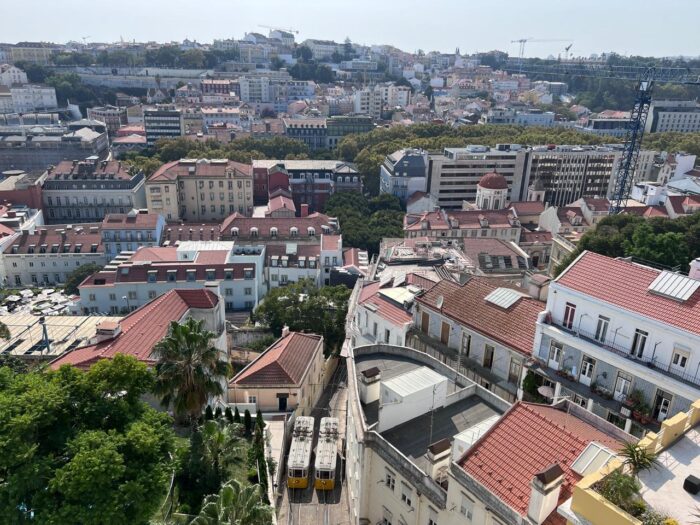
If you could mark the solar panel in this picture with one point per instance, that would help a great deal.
(674, 286)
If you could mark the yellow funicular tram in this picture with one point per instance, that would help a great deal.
(299, 460)
(326, 454)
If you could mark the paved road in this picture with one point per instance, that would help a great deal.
(321, 507)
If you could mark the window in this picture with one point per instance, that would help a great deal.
(639, 342)
(556, 349)
(514, 372)
(432, 516)
(466, 508)
(488, 356)
(112, 297)
(374, 329)
(622, 386)
(191, 275)
(466, 344)
(92, 296)
(601, 330)
(406, 494)
(228, 292)
(679, 359)
(387, 517)
(252, 399)
(390, 480)
(587, 367)
(132, 295)
(151, 294)
(569, 313)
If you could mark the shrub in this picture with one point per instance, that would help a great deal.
(208, 413)
(236, 416)
(218, 413)
(228, 414)
(247, 422)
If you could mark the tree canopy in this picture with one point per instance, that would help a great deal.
(82, 447)
(366, 222)
(78, 275)
(305, 308)
(659, 240)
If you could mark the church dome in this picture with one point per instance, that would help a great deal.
(494, 181)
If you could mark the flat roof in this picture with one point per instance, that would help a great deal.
(662, 487)
(414, 380)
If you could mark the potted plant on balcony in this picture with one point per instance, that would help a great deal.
(634, 398)
(593, 386)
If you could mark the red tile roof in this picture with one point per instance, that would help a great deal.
(625, 284)
(155, 254)
(385, 308)
(284, 363)
(283, 225)
(66, 170)
(494, 181)
(527, 207)
(420, 280)
(537, 236)
(174, 232)
(202, 168)
(280, 202)
(141, 329)
(439, 220)
(525, 441)
(416, 196)
(513, 327)
(137, 221)
(51, 238)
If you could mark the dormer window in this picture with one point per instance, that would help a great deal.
(152, 276)
(254, 233)
(191, 275)
(172, 276)
(234, 232)
(54, 248)
(31, 248)
(311, 231)
(273, 232)
(42, 248)
(248, 273)
(293, 232)
(274, 260)
(78, 248)
(211, 274)
(66, 248)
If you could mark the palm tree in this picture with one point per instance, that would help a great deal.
(189, 370)
(638, 458)
(234, 505)
(221, 445)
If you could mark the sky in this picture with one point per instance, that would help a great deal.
(593, 26)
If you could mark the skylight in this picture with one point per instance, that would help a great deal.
(674, 285)
(504, 297)
(593, 458)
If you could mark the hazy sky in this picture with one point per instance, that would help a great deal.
(594, 26)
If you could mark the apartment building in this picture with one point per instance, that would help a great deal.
(263, 230)
(205, 190)
(10, 75)
(404, 173)
(457, 225)
(47, 257)
(113, 116)
(311, 182)
(453, 176)
(310, 131)
(33, 97)
(369, 101)
(323, 49)
(482, 330)
(34, 52)
(131, 231)
(255, 89)
(621, 339)
(163, 122)
(132, 280)
(338, 126)
(681, 116)
(88, 190)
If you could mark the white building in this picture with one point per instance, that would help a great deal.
(681, 116)
(48, 256)
(131, 280)
(33, 97)
(10, 75)
(621, 339)
(383, 313)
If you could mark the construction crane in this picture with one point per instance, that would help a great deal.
(645, 78)
(523, 41)
(286, 30)
(85, 39)
(566, 51)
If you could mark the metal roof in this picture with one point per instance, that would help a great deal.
(674, 285)
(414, 381)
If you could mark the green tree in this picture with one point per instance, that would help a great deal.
(14, 363)
(235, 505)
(78, 275)
(304, 307)
(303, 53)
(236, 416)
(247, 422)
(638, 458)
(91, 451)
(221, 446)
(189, 369)
(192, 59)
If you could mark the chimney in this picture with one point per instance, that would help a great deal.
(695, 269)
(285, 331)
(544, 493)
(304, 210)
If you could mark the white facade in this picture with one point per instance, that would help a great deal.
(10, 75)
(255, 89)
(618, 350)
(31, 97)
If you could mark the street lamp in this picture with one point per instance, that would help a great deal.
(128, 306)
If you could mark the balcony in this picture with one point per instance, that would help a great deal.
(650, 362)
